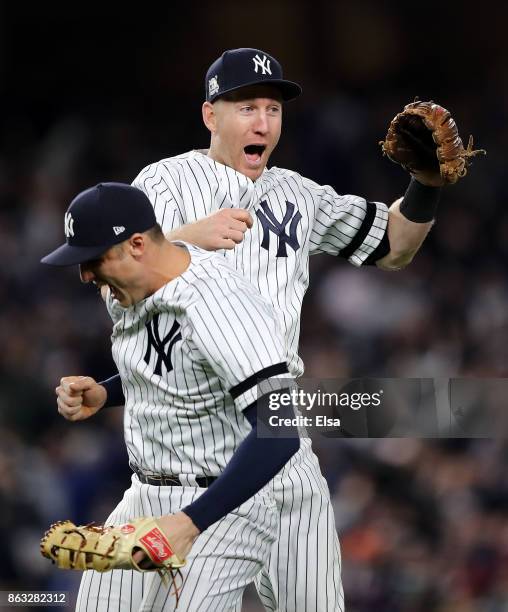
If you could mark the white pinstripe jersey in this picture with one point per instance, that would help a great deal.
(293, 217)
(187, 356)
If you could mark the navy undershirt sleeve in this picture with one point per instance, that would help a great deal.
(113, 386)
(255, 462)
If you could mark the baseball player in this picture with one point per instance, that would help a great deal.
(266, 222)
(191, 339)
(231, 190)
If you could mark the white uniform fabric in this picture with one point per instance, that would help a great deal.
(293, 218)
(188, 357)
(224, 559)
(301, 218)
(178, 353)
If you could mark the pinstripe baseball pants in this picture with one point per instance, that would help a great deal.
(224, 559)
(305, 562)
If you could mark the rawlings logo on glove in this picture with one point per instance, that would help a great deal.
(424, 139)
(158, 546)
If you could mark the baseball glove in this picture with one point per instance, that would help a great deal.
(104, 548)
(424, 140)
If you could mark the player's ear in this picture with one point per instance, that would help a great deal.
(209, 116)
(137, 245)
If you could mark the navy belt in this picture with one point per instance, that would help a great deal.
(167, 480)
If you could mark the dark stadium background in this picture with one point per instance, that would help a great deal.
(91, 93)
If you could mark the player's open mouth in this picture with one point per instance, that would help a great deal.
(253, 153)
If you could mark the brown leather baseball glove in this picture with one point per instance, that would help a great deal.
(105, 548)
(424, 140)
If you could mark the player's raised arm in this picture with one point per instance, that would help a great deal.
(405, 235)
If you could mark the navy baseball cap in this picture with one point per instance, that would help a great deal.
(100, 217)
(238, 68)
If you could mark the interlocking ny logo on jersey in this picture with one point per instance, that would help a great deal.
(270, 224)
(263, 64)
(68, 225)
(162, 347)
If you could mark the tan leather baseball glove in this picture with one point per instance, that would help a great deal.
(424, 139)
(105, 548)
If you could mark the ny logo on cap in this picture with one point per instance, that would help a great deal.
(213, 86)
(264, 64)
(68, 225)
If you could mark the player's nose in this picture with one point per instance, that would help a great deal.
(261, 123)
(85, 273)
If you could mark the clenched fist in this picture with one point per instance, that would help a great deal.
(223, 229)
(79, 397)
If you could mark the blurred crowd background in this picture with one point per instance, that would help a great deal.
(99, 93)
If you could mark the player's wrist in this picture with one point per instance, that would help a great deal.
(420, 202)
(114, 391)
(186, 521)
(192, 528)
(180, 532)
